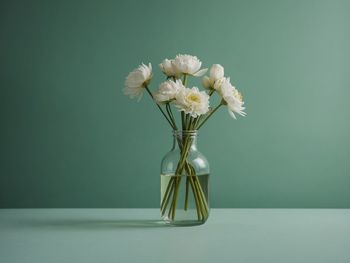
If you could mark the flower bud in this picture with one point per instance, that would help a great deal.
(206, 82)
(218, 83)
(216, 72)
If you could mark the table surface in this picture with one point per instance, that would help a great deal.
(137, 235)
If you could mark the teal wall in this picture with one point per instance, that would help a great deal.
(70, 138)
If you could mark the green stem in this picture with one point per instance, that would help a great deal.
(208, 116)
(163, 210)
(176, 192)
(183, 158)
(178, 172)
(197, 121)
(173, 201)
(195, 195)
(186, 121)
(171, 113)
(192, 123)
(186, 194)
(167, 194)
(149, 92)
(183, 120)
(199, 193)
(185, 80)
(167, 106)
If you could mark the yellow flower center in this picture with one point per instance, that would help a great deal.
(193, 98)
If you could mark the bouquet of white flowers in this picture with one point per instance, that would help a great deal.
(194, 106)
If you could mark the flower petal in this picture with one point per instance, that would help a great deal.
(231, 114)
(200, 72)
(139, 97)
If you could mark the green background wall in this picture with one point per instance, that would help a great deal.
(70, 138)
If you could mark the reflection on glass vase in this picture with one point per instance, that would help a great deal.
(184, 182)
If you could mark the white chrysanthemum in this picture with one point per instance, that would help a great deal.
(216, 72)
(232, 98)
(167, 67)
(187, 64)
(192, 101)
(216, 76)
(137, 80)
(225, 87)
(167, 91)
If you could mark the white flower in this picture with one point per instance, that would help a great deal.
(167, 91)
(192, 101)
(218, 83)
(187, 64)
(206, 83)
(232, 98)
(137, 80)
(167, 67)
(225, 87)
(216, 72)
(216, 76)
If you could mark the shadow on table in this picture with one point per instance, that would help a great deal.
(89, 224)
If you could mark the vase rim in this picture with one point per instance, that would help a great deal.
(185, 132)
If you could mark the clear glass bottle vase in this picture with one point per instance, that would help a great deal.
(184, 182)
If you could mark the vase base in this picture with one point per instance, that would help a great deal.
(171, 222)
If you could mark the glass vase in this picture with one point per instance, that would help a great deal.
(184, 182)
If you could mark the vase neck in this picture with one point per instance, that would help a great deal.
(185, 138)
